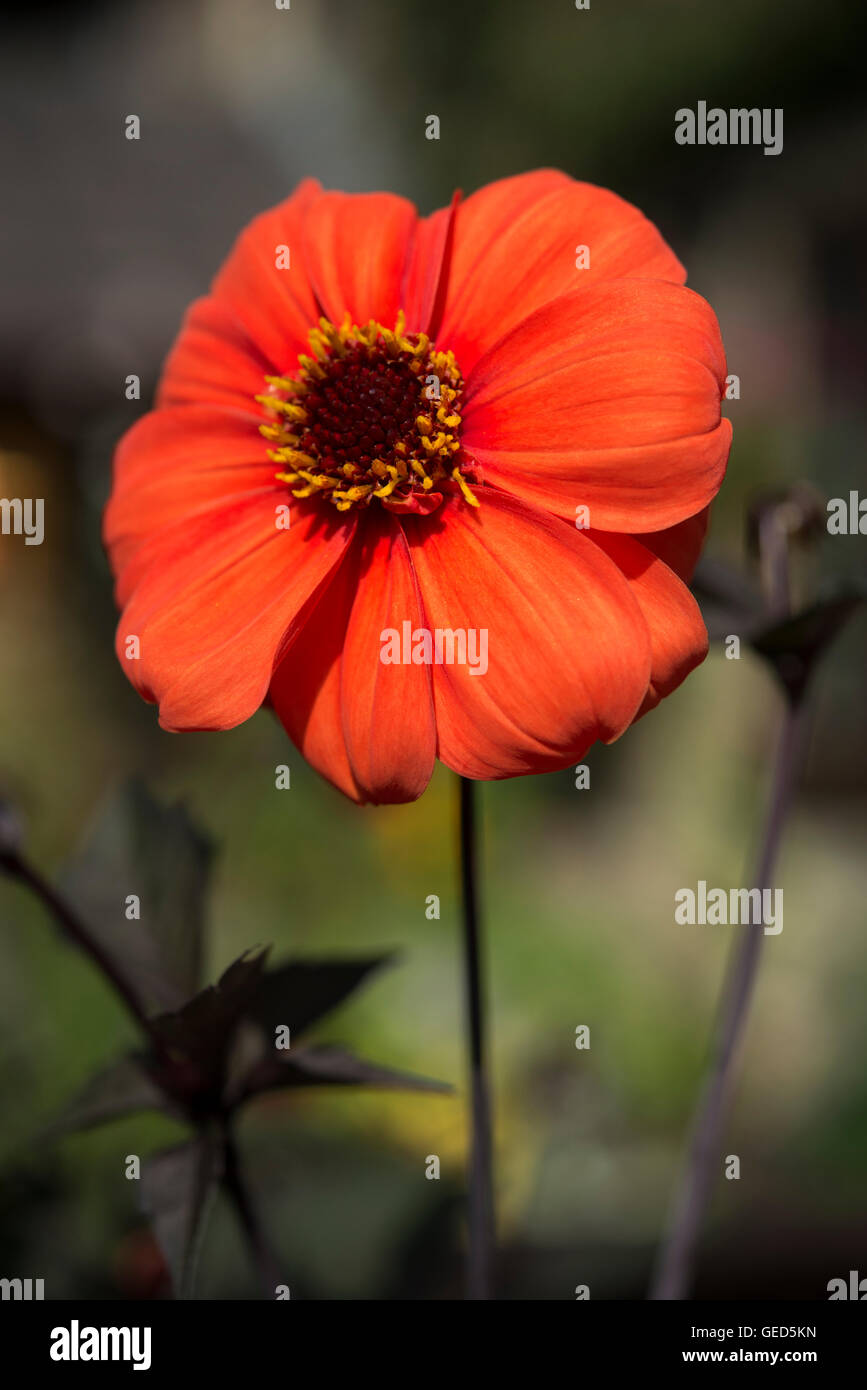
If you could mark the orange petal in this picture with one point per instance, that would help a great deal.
(305, 688)
(388, 716)
(680, 546)
(678, 637)
(273, 303)
(516, 246)
(173, 465)
(366, 726)
(356, 248)
(213, 360)
(426, 272)
(568, 656)
(213, 619)
(607, 399)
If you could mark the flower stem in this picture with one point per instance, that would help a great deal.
(233, 1180)
(76, 930)
(674, 1269)
(481, 1201)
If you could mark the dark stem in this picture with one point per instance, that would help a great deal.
(674, 1269)
(76, 931)
(481, 1203)
(261, 1252)
(774, 560)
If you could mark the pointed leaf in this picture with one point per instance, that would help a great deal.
(203, 1029)
(729, 602)
(299, 992)
(177, 1188)
(793, 646)
(142, 848)
(334, 1066)
(122, 1088)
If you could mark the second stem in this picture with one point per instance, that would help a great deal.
(481, 1199)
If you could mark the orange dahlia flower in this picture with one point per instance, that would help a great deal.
(377, 422)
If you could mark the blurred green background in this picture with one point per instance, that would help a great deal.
(103, 244)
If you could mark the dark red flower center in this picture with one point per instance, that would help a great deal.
(373, 415)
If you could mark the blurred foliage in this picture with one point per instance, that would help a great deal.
(214, 1049)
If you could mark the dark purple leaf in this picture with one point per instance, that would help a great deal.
(729, 602)
(202, 1031)
(177, 1186)
(142, 848)
(299, 992)
(122, 1088)
(794, 645)
(334, 1066)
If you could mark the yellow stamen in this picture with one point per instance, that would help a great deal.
(462, 484)
(374, 430)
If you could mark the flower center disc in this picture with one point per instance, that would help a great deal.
(374, 414)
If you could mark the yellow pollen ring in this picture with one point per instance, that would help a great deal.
(313, 440)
